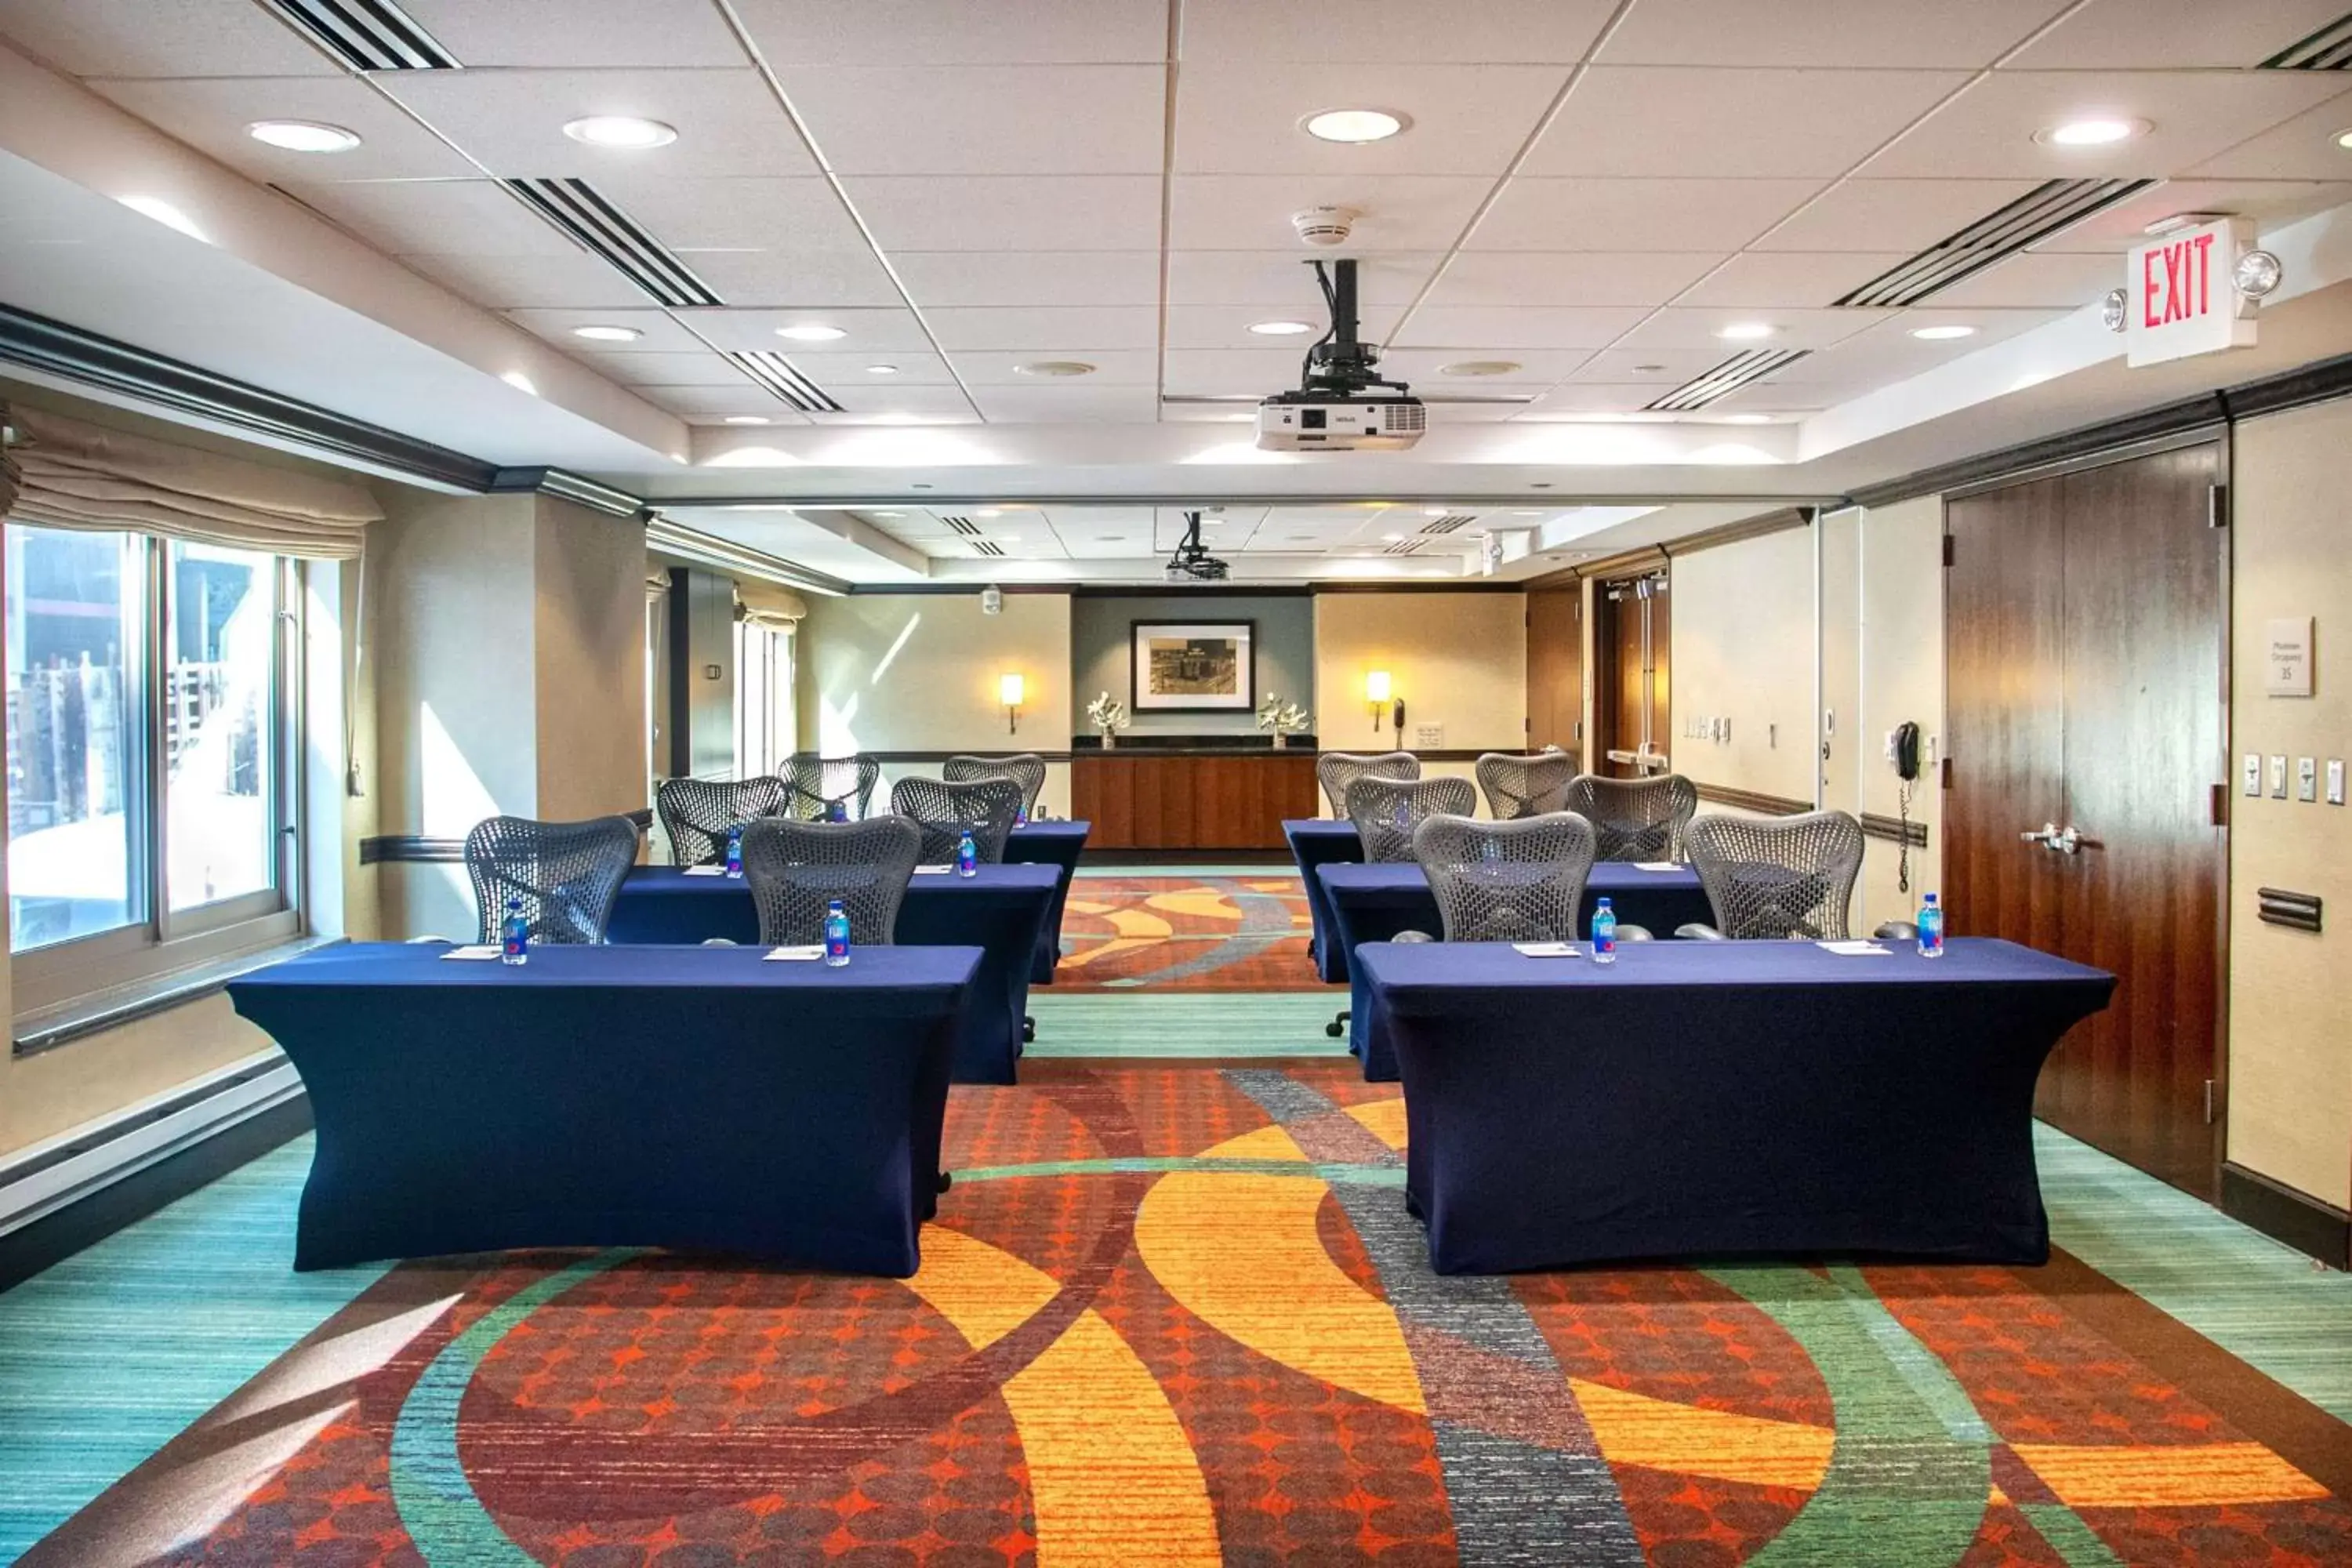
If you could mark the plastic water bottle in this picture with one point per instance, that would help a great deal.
(1604, 933)
(514, 934)
(836, 811)
(836, 934)
(1020, 815)
(735, 851)
(1931, 928)
(967, 856)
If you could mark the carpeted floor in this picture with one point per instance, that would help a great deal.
(1173, 1313)
(1189, 931)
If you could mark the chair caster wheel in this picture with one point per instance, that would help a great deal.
(1332, 1030)
(946, 1181)
(1028, 1028)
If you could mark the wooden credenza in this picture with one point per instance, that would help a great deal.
(1209, 798)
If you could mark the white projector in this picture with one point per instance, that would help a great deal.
(1291, 423)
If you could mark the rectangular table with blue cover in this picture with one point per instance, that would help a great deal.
(1317, 841)
(1374, 902)
(700, 1098)
(1058, 845)
(1719, 1099)
(999, 910)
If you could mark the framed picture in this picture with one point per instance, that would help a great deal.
(1190, 666)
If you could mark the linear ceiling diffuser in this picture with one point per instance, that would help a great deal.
(1450, 522)
(1742, 369)
(368, 35)
(2328, 49)
(2051, 206)
(599, 226)
(782, 378)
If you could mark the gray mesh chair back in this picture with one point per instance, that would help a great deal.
(1025, 768)
(1387, 812)
(1337, 770)
(1635, 819)
(567, 874)
(1520, 880)
(1524, 786)
(818, 784)
(795, 869)
(1779, 875)
(697, 812)
(945, 811)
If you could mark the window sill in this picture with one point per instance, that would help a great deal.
(53, 1027)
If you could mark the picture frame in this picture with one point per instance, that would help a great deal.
(1192, 667)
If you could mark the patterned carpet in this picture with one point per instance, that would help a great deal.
(1173, 1313)
(1186, 933)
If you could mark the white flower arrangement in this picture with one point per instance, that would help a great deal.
(1107, 714)
(1283, 718)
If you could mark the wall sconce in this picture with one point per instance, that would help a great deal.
(1010, 690)
(1379, 692)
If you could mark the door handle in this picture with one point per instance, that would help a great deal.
(2069, 840)
(2047, 836)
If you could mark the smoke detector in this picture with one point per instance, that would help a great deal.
(1325, 225)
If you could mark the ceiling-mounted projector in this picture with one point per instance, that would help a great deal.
(1191, 561)
(1343, 404)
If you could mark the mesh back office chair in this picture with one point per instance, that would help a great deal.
(567, 874)
(1520, 880)
(1524, 786)
(1635, 819)
(1778, 877)
(1337, 770)
(818, 784)
(795, 869)
(1387, 811)
(697, 812)
(946, 811)
(1024, 768)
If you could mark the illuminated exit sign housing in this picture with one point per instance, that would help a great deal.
(2178, 300)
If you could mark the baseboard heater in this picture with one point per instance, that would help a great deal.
(39, 1180)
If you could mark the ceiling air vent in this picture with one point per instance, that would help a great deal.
(2328, 49)
(962, 525)
(367, 34)
(778, 374)
(1741, 370)
(614, 237)
(987, 547)
(1404, 547)
(1450, 522)
(2051, 206)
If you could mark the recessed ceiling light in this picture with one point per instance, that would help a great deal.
(1745, 331)
(746, 420)
(1649, 367)
(811, 333)
(605, 334)
(1480, 367)
(1280, 329)
(886, 514)
(620, 130)
(1943, 333)
(1054, 367)
(1527, 514)
(1747, 419)
(2095, 132)
(303, 135)
(1434, 511)
(881, 370)
(987, 512)
(1391, 539)
(1354, 125)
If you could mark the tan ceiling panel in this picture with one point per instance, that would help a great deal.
(2164, 35)
(1927, 32)
(577, 280)
(2059, 279)
(1060, 212)
(1425, 367)
(1231, 372)
(447, 217)
(633, 34)
(1113, 367)
(1887, 351)
(1004, 120)
(727, 121)
(735, 213)
(1016, 327)
(1504, 31)
(948, 278)
(2302, 148)
(1744, 124)
(1538, 327)
(868, 330)
(211, 114)
(1647, 367)
(1901, 216)
(762, 278)
(956, 32)
(1228, 326)
(1282, 278)
(1244, 117)
(1695, 215)
(1253, 212)
(1504, 279)
(142, 39)
(1067, 405)
(1758, 280)
(1677, 328)
(858, 369)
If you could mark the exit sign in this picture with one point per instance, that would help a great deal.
(2177, 296)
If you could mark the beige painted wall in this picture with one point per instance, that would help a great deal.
(2289, 1070)
(92, 1076)
(1902, 672)
(589, 635)
(1743, 635)
(918, 672)
(1459, 660)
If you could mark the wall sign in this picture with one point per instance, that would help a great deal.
(2179, 298)
(2286, 657)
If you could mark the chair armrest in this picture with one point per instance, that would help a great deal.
(1412, 936)
(1695, 932)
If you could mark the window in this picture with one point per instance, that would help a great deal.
(763, 699)
(149, 746)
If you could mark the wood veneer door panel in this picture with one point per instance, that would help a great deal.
(1102, 793)
(1555, 669)
(1661, 688)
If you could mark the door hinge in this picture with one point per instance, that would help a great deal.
(2221, 799)
(2217, 505)
(1946, 765)
(1947, 550)
(2209, 1102)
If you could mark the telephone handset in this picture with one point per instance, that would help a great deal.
(1907, 752)
(1905, 747)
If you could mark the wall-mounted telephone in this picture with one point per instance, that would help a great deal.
(1904, 748)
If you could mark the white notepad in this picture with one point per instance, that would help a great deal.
(1656, 866)
(705, 871)
(793, 955)
(1855, 949)
(933, 870)
(1546, 950)
(474, 952)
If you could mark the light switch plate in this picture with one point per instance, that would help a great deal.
(1429, 736)
(2307, 778)
(2278, 778)
(2253, 773)
(2335, 781)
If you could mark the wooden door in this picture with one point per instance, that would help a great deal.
(2084, 639)
(1630, 704)
(1556, 668)
(1661, 643)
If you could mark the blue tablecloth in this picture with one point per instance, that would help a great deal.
(617, 1095)
(1717, 1098)
(1000, 910)
(1317, 841)
(1373, 904)
(1059, 845)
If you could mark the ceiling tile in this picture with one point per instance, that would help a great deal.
(1583, 399)
(449, 218)
(1505, 31)
(1901, 216)
(1282, 278)
(878, 405)
(869, 330)
(1888, 352)
(1809, 33)
(2302, 148)
(1003, 119)
(1668, 120)
(736, 212)
(661, 331)
(758, 278)
(1787, 280)
(1253, 373)
(1067, 405)
(1986, 132)
(211, 114)
(1707, 215)
(1677, 328)
(951, 32)
(1243, 117)
(2055, 278)
(142, 39)
(1018, 328)
(512, 121)
(1537, 367)
(699, 369)
(912, 369)
(946, 277)
(636, 34)
(1113, 367)
(1646, 367)
(577, 280)
(1228, 326)
(1504, 278)
(1543, 327)
(711, 405)
(2161, 34)
(2269, 202)
(1059, 212)
(1252, 212)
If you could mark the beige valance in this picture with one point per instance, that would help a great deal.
(81, 476)
(768, 605)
